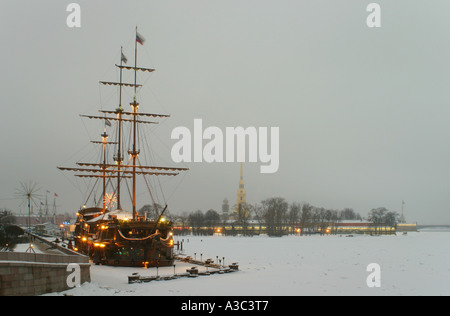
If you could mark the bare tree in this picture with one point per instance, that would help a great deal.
(294, 215)
(305, 218)
(196, 220)
(151, 211)
(377, 218)
(258, 211)
(211, 218)
(275, 215)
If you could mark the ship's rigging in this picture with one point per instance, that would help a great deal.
(120, 170)
(118, 238)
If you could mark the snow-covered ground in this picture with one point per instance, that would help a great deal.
(413, 264)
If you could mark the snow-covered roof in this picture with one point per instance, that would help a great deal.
(120, 214)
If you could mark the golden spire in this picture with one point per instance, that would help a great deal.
(241, 191)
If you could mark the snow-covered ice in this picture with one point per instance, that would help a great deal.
(413, 264)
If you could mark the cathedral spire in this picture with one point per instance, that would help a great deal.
(241, 191)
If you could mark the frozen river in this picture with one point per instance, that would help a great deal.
(413, 264)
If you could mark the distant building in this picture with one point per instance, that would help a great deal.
(403, 227)
(225, 209)
(22, 220)
(359, 227)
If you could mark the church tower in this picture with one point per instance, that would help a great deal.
(225, 208)
(241, 191)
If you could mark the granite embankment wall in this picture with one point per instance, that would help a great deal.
(35, 274)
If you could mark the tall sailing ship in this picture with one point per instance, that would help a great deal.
(121, 237)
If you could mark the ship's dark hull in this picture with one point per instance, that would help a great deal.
(85, 231)
(134, 254)
(135, 243)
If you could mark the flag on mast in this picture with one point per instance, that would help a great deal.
(139, 38)
(123, 58)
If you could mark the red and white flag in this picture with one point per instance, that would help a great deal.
(140, 39)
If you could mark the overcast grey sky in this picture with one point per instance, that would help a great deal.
(363, 113)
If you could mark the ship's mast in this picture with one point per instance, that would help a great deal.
(104, 140)
(125, 170)
(134, 106)
(46, 206)
(103, 165)
(119, 111)
(54, 210)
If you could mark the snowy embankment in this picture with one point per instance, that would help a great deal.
(413, 264)
(25, 248)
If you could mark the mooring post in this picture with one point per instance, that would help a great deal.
(157, 268)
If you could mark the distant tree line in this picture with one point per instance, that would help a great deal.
(381, 219)
(281, 218)
(277, 216)
(211, 219)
